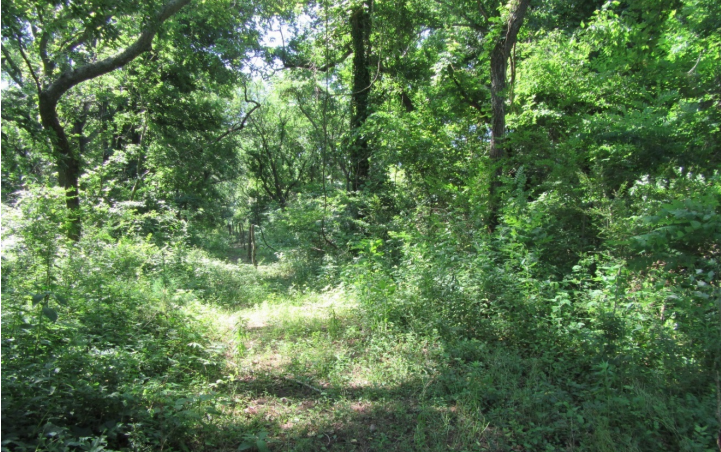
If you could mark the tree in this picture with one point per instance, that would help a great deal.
(502, 47)
(480, 37)
(71, 43)
(279, 151)
(361, 28)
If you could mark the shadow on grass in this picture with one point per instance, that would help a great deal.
(325, 394)
(298, 416)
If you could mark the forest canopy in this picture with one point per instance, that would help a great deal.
(516, 204)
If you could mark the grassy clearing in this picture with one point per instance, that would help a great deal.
(174, 349)
(306, 372)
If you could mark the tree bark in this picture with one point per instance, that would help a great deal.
(499, 70)
(68, 161)
(360, 22)
(252, 245)
(250, 242)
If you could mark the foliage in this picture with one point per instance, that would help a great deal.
(117, 356)
(414, 291)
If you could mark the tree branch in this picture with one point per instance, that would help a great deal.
(27, 62)
(466, 97)
(262, 236)
(239, 127)
(514, 24)
(48, 65)
(310, 66)
(12, 68)
(482, 10)
(68, 79)
(82, 37)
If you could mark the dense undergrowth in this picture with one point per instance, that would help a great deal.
(107, 341)
(425, 337)
(611, 347)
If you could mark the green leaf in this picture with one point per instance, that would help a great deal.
(38, 297)
(50, 313)
(60, 299)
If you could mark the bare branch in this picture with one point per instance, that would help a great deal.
(691, 71)
(240, 126)
(27, 62)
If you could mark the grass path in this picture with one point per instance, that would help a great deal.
(306, 375)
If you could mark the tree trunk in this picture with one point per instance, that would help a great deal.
(360, 22)
(252, 245)
(67, 161)
(250, 242)
(499, 69)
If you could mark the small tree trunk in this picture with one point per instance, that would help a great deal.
(250, 242)
(252, 245)
(68, 162)
(498, 128)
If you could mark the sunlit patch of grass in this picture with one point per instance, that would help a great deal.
(319, 336)
(305, 369)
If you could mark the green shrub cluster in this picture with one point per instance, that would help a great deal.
(101, 345)
(558, 346)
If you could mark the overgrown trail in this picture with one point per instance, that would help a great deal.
(304, 374)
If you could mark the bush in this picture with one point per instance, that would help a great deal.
(557, 346)
(101, 344)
